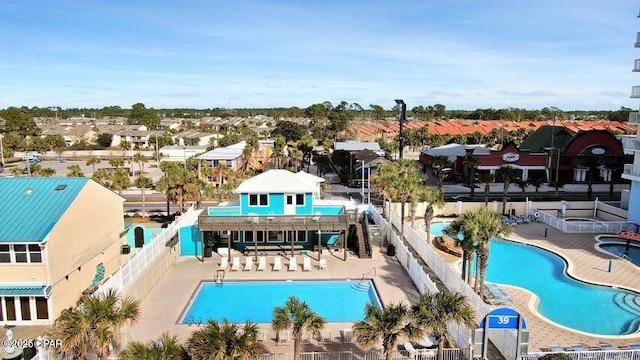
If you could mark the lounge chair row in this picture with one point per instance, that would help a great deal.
(512, 220)
(284, 337)
(262, 264)
(599, 347)
(497, 296)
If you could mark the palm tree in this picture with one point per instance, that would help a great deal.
(298, 316)
(388, 324)
(487, 179)
(435, 198)
(471, 165)
(224, 340)
(380, 181)
(522, 184)
(120, 180)
(507, 174)
(485, 224)
(74, 171)
(592, 163)
(140, 159)
(180, 185)
(101, 176)
(439, 162)
(403, 183)
(297, 156)
(464, 238)
(94, 326)
(93, 162)
(47, 172)
(166, 347)
(279, 144)
(116, 163)
(434, 311)
(143, 183)
(536, 182)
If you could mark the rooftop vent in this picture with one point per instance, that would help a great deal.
(28, 191)
(61, 187)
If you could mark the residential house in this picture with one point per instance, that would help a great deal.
(61, 237)
(196, 138)
(277, 211)
(231, 157)
(71, 134)
(180, 153)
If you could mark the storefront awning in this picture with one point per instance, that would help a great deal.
(20, 290)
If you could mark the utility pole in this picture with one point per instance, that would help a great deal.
(402, 117)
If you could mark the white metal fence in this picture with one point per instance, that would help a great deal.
(504, 340)
(449, 354)
(570, 226)
(143, 258)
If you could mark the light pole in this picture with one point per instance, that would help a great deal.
(402, 117)
(362, 171)
(369, 185)
(132, 171)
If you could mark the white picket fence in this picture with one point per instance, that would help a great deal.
(138, 263)
(584, 226)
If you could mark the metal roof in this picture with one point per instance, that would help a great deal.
(276, 181)
(32, 206)
(353, 145)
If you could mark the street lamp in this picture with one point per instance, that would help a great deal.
(402, 117)
(1, 152)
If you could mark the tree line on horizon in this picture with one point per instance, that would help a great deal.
(327, 110)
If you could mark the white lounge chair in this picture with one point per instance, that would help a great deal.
(323, 264)
(408, 346)
(277, 263)
(293, 264)
(262, 336)
(262, 263)
(556, 348)
(248, 263)
(235, 264)
(306, 264)
(325, 336)
(305, 337)
(283, 338)
(224, 263)
(347, 335)
(607, 346)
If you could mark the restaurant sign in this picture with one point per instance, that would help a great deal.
(510, 157)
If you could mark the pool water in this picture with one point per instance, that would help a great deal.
(617, 249)
(335, 301)
(563, 300)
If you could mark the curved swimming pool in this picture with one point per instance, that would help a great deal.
(617, 246)
(589, 308)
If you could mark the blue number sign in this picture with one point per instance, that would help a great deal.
(503, 318)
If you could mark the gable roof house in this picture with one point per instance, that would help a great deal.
(61, 238)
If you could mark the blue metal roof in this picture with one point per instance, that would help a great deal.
(17, 290)
(32, 206)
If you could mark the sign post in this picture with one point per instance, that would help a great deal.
(501, 319)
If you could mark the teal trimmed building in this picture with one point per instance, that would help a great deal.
(59, 237)
(277, 211)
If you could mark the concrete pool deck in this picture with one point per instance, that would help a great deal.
(586, 264)
(165, 303)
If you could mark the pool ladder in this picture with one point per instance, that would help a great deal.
(192, 321)
(219, 277)
(360, 284)
(624, 256)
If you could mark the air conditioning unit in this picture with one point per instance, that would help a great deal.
(125, 249)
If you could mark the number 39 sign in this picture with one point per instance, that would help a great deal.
(503, 318)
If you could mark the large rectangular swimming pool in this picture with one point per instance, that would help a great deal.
(335, 301)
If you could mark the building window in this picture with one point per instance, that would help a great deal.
(5, 254)
(299, 199)
(258, 200)
(289, 200)
(35, 254)
(20, 251)
(42, 308)
(229, 163)
(301, 236)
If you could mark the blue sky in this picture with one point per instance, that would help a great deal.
(465, 54)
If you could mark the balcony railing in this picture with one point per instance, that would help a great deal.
(635, 92)
(277, 222)
(638, 41)
(634, 117)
